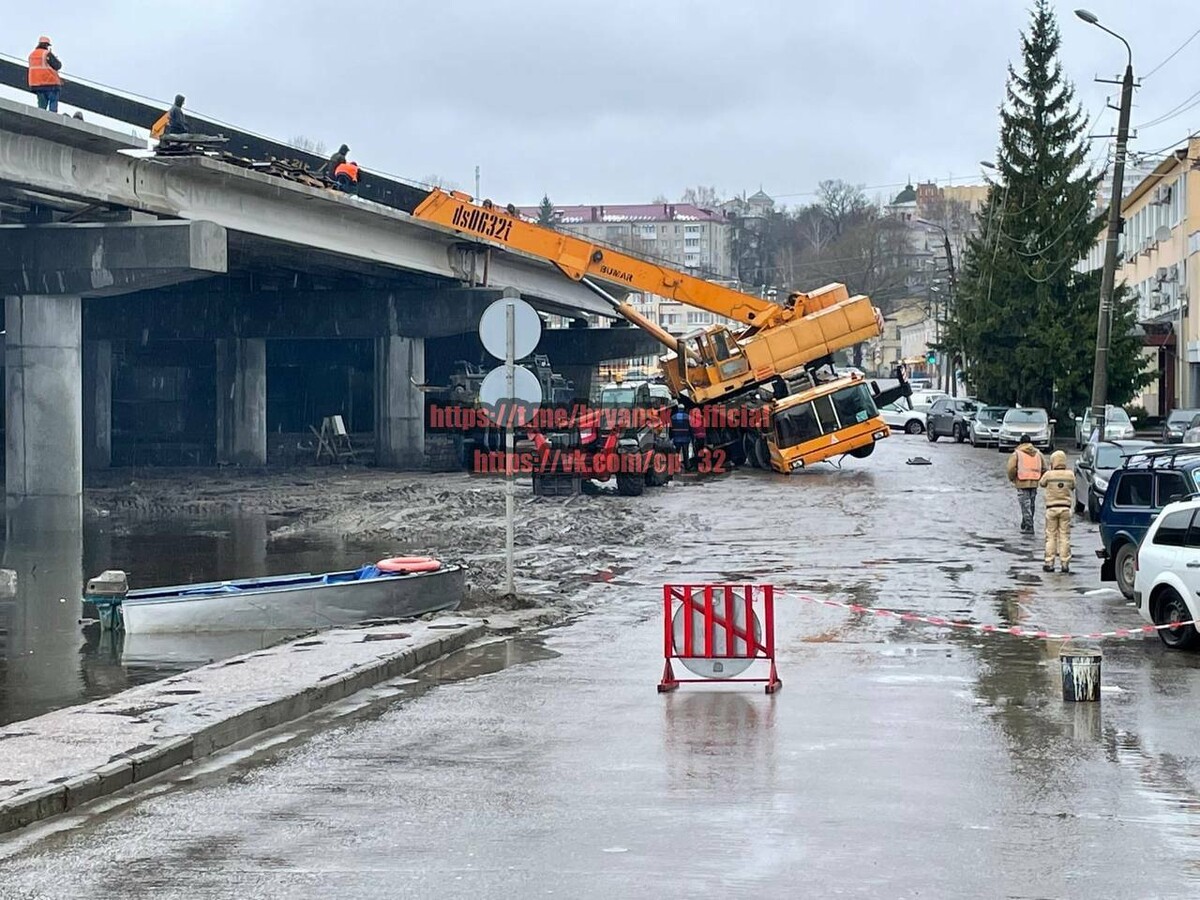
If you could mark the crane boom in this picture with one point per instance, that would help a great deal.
(579, 258)
(712, 365)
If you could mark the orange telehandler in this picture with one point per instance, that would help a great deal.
(779, 353)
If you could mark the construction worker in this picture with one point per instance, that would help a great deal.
(334, 161)
(346, 176)
(177, 122)
(1059, 485)
(44, 78)
(699, 434)
(1025, 469)
(681, 434)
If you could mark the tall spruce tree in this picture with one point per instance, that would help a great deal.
(546, 211)
(1024, 320)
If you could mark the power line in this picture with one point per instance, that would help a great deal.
(1171, 113)
(1173, 55)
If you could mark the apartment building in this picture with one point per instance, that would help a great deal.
(1160, 261)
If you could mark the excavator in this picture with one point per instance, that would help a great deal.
(777, 364)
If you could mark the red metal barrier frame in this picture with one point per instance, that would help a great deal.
(724, 618)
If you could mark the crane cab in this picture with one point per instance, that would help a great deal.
(715, 360)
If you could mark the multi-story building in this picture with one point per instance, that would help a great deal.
(681, 235)
(1160, 261)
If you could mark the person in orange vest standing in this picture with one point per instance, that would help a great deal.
(1025, 469)
(44, 79)
(346, 176)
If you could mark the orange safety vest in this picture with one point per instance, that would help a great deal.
(1029, 466)
(40, 73)
(348, 168)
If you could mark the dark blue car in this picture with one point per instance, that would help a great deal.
(1136, 493)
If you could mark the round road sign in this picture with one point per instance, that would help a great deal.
(493, 328)
(516, 410)
(707, 667)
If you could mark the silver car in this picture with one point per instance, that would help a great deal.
(1117, 426)
(1030, 420)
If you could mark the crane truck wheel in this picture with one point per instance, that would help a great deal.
(748, 443)
(631, 485)
(863, 452)
(762, 455)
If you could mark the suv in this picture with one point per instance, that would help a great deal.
(1167, 574)
(1136, 493)
(950, 417)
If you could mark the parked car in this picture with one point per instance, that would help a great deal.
(1167, 573)
(985, 427)
(1192, 435)
(898, 416)
(1117, 426)
(1177, 422)
(1137, 492)
(1031, 420)
(920, 384)
(922, 400)
(950, 417)
(1094, 468)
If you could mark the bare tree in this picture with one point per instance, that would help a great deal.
(844, 204)
(702, 196)
(660, 198)
(300, 142)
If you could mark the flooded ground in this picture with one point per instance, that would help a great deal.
(899, 760)
(175, 527)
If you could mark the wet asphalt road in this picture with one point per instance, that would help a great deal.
(898, 761)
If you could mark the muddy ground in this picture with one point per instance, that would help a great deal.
(562, 545)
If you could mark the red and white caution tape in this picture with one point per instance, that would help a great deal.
(1015, 630)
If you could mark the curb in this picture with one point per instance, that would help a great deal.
(69, 792)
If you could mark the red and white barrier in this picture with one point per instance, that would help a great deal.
(715, 631)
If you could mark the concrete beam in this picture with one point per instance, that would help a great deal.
(242, 402)
(590, 346)
(214, 310)
(203, 189)
(399, 402)
(102, 260)
(97, 404)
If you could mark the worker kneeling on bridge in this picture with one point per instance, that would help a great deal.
(44, 79)
(346, 176)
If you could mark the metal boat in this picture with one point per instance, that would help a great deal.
(274, 603)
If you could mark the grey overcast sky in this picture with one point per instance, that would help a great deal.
(619, 100)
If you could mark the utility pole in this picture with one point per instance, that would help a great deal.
(947, 379)
(477, 182)
(1108, 277)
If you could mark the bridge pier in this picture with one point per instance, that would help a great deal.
(97, 404)
(43, 412)
(242, 401)
(399, 402)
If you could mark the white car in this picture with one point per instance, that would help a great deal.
(899, 417)
(1167, 573)
(922, 400)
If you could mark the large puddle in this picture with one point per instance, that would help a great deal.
(48, 660)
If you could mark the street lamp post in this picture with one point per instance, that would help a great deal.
(1108, 277)
(950, 382)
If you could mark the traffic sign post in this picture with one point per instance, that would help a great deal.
(510, 330)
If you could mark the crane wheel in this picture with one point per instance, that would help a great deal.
(748, 447)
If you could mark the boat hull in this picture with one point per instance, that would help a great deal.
(291, 603)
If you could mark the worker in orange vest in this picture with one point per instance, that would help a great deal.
(44, 79)
(346, 176)
(1025, 469)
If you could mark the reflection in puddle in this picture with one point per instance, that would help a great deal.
(46, 660)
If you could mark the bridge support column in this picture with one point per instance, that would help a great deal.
(399, 402)
(97, 404)
(242, 401)
(43, 415)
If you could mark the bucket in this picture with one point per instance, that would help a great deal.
(1080, 673)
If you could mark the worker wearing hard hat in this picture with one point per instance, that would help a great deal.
(44, 78)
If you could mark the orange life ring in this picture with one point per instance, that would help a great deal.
(408, 564)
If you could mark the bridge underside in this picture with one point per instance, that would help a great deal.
(169, 342)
